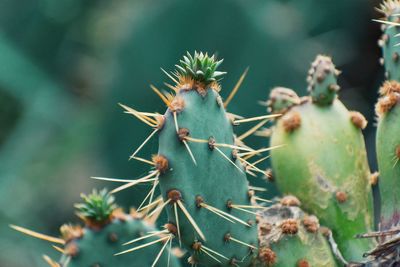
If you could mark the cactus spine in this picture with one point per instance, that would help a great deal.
(324, 161)
(388, 111)
(106, 229)
(289, 237)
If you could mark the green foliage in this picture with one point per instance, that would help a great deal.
(216, 179)
(324, 164)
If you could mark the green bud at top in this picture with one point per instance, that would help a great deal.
(200, 67)
(322, 83)
(97, 207)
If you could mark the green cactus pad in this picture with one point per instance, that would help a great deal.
(389, 42)
(289, 237)
(388, 153)
(324, 164)
(214, 180)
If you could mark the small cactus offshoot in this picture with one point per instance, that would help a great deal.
(106, 232)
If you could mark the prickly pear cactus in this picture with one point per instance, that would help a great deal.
(107, 228)
(388, 41)
(205, 181)
(324, 162)
(289, 237)
(388, 111)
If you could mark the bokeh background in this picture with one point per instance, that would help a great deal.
(65, 64)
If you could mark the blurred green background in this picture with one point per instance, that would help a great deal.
(66, 64)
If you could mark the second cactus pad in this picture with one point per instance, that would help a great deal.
(324, 162)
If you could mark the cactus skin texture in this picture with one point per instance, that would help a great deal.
(212, 180)
(324, 162)
(289, 237)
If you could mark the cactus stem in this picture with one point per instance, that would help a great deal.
(144, 142)
(38, 235)
(252, 130)
(236, 88)
(144, 245)
(50, 262)
(191, 220)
